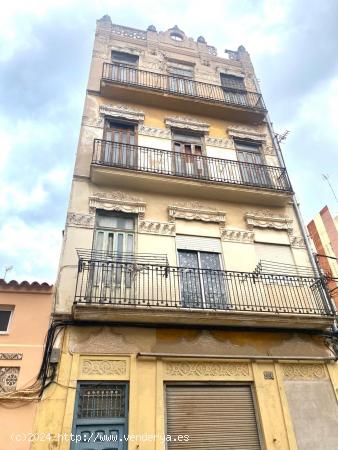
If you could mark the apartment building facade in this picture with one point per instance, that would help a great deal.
(191, 314)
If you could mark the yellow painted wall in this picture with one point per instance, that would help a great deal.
(147, 376)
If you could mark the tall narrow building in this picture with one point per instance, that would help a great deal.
(188, 311)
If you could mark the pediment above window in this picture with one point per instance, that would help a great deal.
(246, 133)
(121, 112)
(117, 201)
(187, 123)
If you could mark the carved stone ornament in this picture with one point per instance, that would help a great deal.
(121, 111)
(11, 356)
(8, 378)
(304, 371)
(297, 242)
(103, 367)
(163, 133)
(187, 123)
(242, 236)
(219, 142)
(151, 227)
(267, 219)
(202, 369)
(196, 211)
(117, 201)
(246, 133)
(80, 220)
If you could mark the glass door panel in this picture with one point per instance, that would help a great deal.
(191, 291)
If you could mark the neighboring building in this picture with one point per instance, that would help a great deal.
(186, 299)
(323, 230)
(25, 310)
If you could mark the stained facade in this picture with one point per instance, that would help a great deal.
(186, 290)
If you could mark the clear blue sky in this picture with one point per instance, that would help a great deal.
(45, 50)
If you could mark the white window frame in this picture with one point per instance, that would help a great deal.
(11, 309)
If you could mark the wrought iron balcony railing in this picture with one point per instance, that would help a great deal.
(185, 87)
(128, 283)
(146, 159)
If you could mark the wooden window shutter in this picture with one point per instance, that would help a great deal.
(214, 417)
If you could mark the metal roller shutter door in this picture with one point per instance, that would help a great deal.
(215, 417)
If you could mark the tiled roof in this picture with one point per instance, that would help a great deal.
(22, 286)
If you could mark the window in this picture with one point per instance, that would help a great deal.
(181, 79)
(109, 277)
(101, 414)
(249, 153)
(278, 258)
(5, 318)
(124, 68)
(124, 58)
(114, 232)
(234, 89)
(119, 148)
(188, 159)
(202, 282)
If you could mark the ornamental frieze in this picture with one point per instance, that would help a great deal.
(163, 133)
(80, 220)
(103, 367)
(297, 242)
(304, 371)
(152, 227)
(242, 236)
(11, 356)
(219, 142)
(211, 369)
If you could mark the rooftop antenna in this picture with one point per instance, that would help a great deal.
(327, 178)
(7, 269)
(281, 137)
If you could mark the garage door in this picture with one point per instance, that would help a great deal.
(215, 417)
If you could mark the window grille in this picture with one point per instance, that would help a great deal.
(102, 400)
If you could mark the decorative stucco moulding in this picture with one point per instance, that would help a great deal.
(121, 111)
(196, 211)
(246, 133)
(267, 219)
(163, 133)
(152, 227)
(187, 123)
(241, 236)
(117, 201)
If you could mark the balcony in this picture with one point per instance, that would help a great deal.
(216, 173)
(130, 289)
(181, 94)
